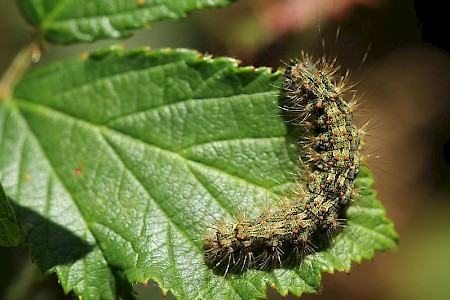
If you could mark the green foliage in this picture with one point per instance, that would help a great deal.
(9, 230)
(70, 21)
(133, 156)
(118, 163)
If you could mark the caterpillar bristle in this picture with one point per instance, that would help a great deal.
(329, 163)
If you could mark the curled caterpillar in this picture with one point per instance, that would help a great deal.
(332, 159)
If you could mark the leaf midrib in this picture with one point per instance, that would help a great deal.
(182, 232)
(34, 107)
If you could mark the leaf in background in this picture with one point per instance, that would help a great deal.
(69, 21)
(9, 230)
(133, 156)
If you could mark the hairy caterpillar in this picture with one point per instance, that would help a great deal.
(332, 159)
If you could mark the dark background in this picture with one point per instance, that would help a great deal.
(405, 81)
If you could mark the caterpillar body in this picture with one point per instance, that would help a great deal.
(331, 154)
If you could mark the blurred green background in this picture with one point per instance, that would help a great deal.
(405, 81)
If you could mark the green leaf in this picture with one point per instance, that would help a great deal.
(9, 229)
(133, 156)
(70, 21)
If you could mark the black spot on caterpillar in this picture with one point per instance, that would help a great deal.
(331, 157)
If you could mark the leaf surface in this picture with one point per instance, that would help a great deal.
(9, 229)
(70, 21)
(133, 156)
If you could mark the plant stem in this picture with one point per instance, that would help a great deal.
(18, 67)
